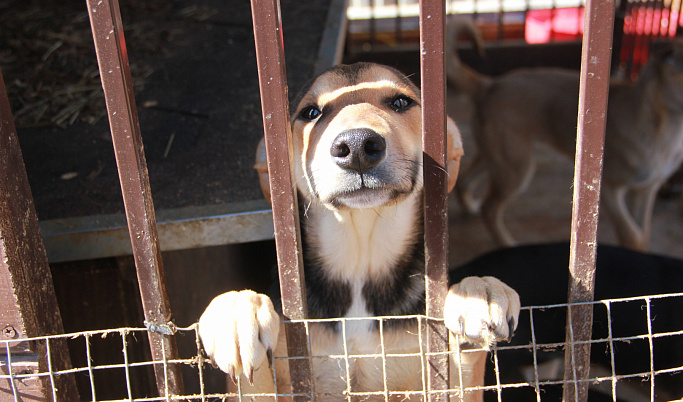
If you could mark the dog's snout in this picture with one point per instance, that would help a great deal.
(358, 149)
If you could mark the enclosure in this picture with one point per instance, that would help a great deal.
(43, 361)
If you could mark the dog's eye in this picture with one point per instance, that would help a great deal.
(401, 102)
(310, 113)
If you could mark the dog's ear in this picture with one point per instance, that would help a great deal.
(261, 167)
(455, 152)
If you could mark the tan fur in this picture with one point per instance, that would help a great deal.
(643, 142)
(358, 238)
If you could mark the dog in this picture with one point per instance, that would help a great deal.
(643, 142)
(620, 273)
(358, 167)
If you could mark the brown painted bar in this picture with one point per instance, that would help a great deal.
(278, 134)
(28, 304)
(593, 92)
(432, 27)
(105, 19)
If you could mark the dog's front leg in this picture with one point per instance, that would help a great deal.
(239, 330)
(479, 311)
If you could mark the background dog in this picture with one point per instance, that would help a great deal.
(357, 148)
(643, 143)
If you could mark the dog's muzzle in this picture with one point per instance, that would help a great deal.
(358, 149)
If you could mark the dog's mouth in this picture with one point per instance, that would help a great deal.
(365, 197)
(368, 190)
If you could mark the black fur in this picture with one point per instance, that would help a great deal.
(402, 293)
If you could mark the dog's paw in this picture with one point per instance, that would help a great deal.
(482, 310)
(239, 331)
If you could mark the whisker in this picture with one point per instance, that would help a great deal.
(308, 206)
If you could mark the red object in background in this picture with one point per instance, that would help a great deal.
(644, 22)
(554, 25)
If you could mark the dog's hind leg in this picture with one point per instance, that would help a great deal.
(629, 233)
(472, 177)
(505, 184)
(642, 202)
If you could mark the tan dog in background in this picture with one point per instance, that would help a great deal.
(358, 165)
(643, 143)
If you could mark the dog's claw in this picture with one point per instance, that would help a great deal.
(231, 373)
(501, 334)
(512, 325)
(249, 373)
(269, 356)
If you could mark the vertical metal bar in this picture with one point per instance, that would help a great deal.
(373, 22)
(112, 56)
(432, 27)
(398, 27)
(657, 19)
(91, 374)
(627, 46)
(28, 304)
(593, 92)
(35, 392)
(674, 17)
(278, 134)
(500, 28)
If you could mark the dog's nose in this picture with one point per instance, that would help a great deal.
(358, 149)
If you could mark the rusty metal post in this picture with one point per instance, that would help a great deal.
(28, 304)
(593, 93)
(278, 134)
(432, 29)
(105, 19)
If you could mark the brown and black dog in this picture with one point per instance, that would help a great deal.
(358, 168)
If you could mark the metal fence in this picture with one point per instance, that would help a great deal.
(35, 361)
(613, 383)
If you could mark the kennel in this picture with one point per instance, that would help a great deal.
(35, 360)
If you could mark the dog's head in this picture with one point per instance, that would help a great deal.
(357, 135)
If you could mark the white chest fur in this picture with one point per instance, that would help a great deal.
(355, 246)
(359, 244)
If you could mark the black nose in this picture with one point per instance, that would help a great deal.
(358, 149)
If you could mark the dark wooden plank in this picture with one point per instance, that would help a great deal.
(432, 27)
(105, 19)
(593, 92)
(278, 134)
(28, 305)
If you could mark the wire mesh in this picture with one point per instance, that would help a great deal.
(635, 343)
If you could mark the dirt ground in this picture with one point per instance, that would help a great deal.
(194, 73)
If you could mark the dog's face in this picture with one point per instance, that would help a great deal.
(357, 135)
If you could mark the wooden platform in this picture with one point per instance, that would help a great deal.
(200, 117)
